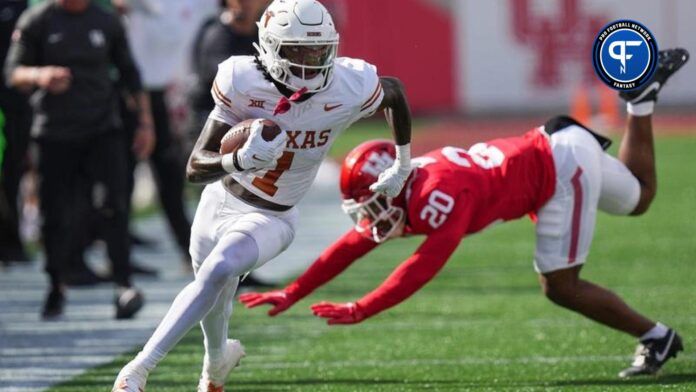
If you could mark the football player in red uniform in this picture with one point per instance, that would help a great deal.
(559, 173)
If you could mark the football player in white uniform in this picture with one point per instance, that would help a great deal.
(246, 215)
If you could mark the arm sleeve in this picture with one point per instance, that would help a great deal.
(25, 44)
(420, 268)
(123, 59)
(225, 109)
(334, 260)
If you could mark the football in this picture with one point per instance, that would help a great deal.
(238, 134)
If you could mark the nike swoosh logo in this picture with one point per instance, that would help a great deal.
(328, 108)
(257, 158)
(654, 86)
(661, 356)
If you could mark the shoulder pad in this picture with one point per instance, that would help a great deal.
(239, 75)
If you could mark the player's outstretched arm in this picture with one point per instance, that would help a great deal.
(334, 260)
(406, 279)
(396, 109)
(398, 113)
(205, 163)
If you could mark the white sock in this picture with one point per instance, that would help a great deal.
(215, 324)
(657, 332)
(641, 109)
(188, 308)
(148, 361)
(234, 254)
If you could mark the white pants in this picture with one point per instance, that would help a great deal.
(587, 178)
(220, 213)
(228, 239)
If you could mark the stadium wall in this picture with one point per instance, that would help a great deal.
(475, 56)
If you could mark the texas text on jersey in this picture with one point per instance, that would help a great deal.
(241, 92)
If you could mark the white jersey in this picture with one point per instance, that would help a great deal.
(241, 92)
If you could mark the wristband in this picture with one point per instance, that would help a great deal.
(235, 161)
(403, 156)
(229, 164)
(641, 109)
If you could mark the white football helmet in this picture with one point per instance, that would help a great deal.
(297, 44)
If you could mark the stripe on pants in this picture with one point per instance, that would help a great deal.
(577, 211)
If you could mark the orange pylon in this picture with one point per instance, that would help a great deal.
(580, 105)
(608, 105)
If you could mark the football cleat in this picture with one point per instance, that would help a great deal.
(130, 379)
(668, 62)
(652, 354)
(213, 377)
(128, 302)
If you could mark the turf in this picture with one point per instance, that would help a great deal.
(364, 130)
(482, 324)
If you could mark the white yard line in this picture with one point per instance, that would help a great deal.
(35, 354)
(461, 361)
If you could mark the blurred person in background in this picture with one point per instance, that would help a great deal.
(160, 33)
(178, 21)
(14, 132)
(107, 4)
(63, 51)
(77, 273)
(231, 33)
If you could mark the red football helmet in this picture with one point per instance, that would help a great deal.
(373, 214)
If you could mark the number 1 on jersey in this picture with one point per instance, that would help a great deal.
(267, 183)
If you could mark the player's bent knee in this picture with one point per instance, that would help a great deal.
(560, 287)
(233, 256)
(562, 296)
(640, 209)
(647, 195)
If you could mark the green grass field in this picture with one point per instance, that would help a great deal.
(482, 323)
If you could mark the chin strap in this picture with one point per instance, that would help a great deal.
(284, 104)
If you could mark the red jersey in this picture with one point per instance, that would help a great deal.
(499, 180)
(453, 192)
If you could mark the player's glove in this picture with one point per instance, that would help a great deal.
(391, 181)
(256, 153)
(347, 313)
(280, 300)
